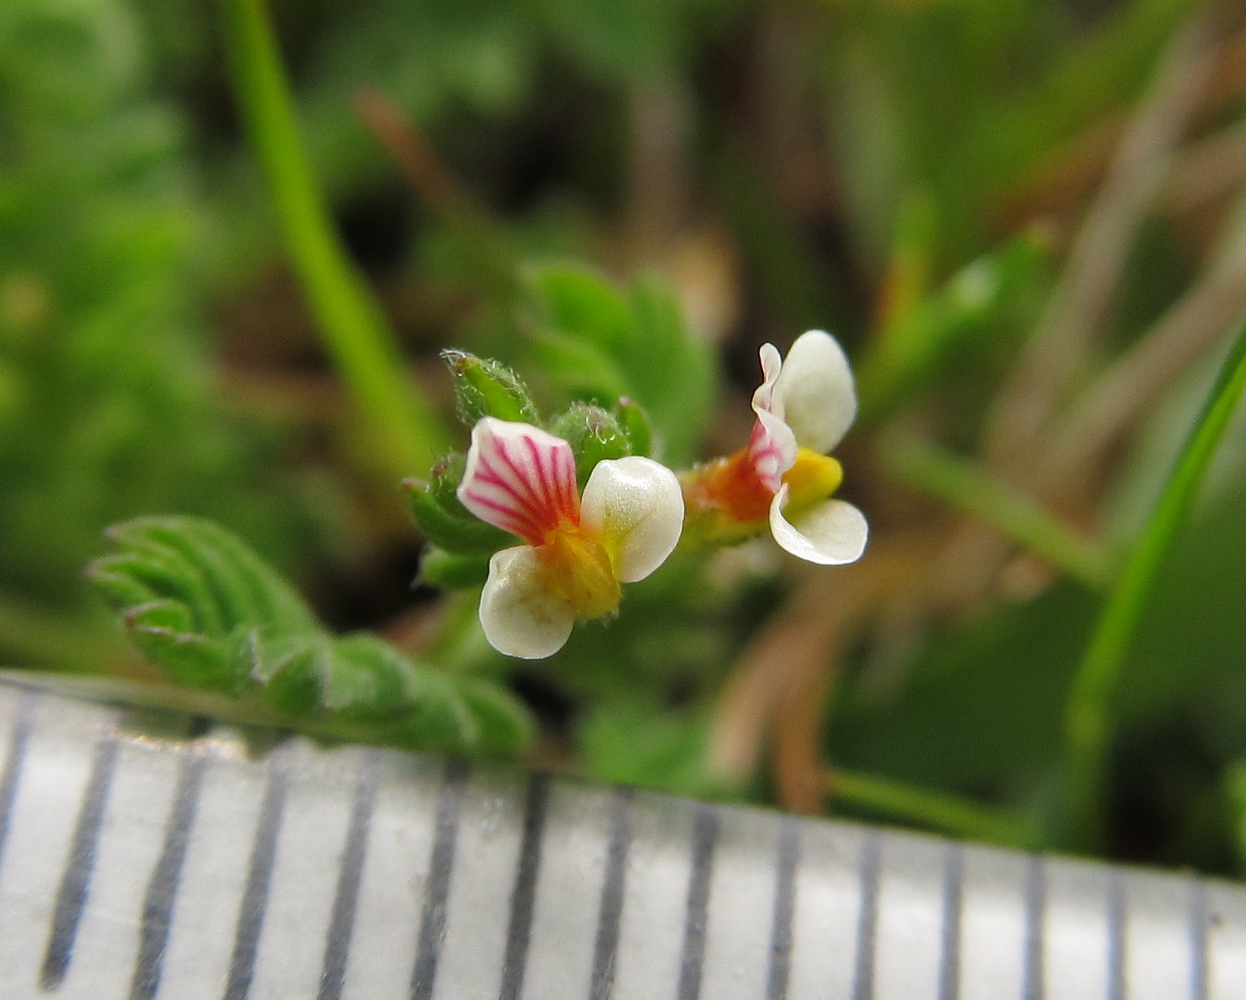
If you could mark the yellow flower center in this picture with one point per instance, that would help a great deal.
(578, 570)
(812, 479)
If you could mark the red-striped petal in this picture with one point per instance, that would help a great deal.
(521, 479)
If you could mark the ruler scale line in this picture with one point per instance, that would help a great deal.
(867, 920)
(76, 882)
(12, 776)
(610, 912)
(346, 895)
(1032, 984)
(704, 839)
(788, 849)
(953, 899)
(437, 888)
(1116, 938)
(259, 877)
(162, 889)
(1198, 939)
(523, 895)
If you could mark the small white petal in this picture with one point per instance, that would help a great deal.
(814, 392)
(520, 616)
(771, 366)
(519, 478)
(638, 507)
(829, 533)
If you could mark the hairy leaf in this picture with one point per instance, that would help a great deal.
(211, 614)
(487, 388)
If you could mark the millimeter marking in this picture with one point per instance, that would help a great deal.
(11, 778)
(523, 895)
(437, 889)
(259, 877)
(346, 896)
(953, 894)
(162, 889)
(1032, 987)
(867, 920)
(610, 913)
(1198, 939)
(1116, 937)
(704, 839)
(788, 850)
(76, 883)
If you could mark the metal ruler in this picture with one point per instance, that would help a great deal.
(136, 868)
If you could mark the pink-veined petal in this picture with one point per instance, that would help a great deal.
(830, 533)
(638, 508)
(814, 392)
(520, 614)
(772, 449)
(520, 478)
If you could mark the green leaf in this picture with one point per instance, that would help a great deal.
(602, 344)
(211, 614)
(673, 373)
(583, 368)
(579, 300)
(488, 388)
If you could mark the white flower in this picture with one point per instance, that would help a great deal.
(522, 479)
(804, 407)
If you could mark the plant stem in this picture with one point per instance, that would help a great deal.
(1087, 723)
(356, 332)
(967, 485)
(944, 812)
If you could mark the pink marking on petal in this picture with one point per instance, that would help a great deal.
(510, 519)
(520, 478)
(569, 497)
(772, 449)
(772, 445)
(542, 482)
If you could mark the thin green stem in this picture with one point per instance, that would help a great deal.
(1087, 717)
(356, 332)
(943, 812)
(970, 487)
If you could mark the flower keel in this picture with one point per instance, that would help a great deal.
(522, 615)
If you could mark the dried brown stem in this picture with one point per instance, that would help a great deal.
(1208, 170)
(782, 681)
(428, 176)
(1100, 251)
(1101, 418)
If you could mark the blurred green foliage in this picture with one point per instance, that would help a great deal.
(107, 405)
